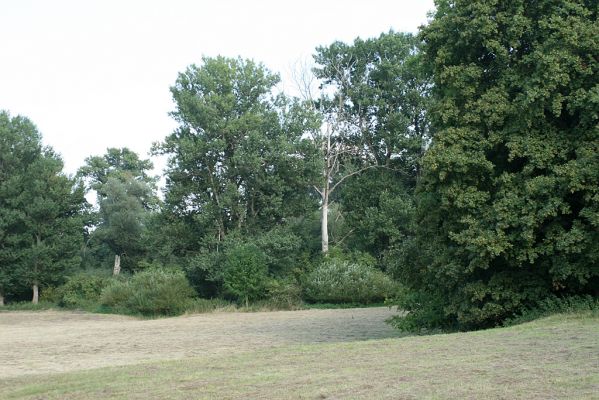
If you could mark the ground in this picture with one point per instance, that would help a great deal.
(311, 354)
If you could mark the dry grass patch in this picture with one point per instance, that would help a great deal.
(557, 357)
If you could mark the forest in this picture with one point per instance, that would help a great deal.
(453, 173)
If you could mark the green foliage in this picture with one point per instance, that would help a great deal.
(378, 96)
(556, 305)
(508, 209)
(245, 273)
(338, 281)
(29, 306)
(284, 294)
(239, 160)
(41, 223)
(151, 292)
(81, 290)
(126, 196)
(121, 164)
(201, 306)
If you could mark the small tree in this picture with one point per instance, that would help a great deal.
(246, 274)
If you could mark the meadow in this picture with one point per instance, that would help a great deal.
(306, 354)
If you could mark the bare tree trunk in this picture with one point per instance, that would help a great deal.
(117, 265)
(1, 300)
(324, 220)
(36, 294)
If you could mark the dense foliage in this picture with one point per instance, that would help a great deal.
(41, 212)
(338, 281)
(509, 202)
(460, 165)
(151, 292)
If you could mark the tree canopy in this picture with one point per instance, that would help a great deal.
(508, 205)
(41, 223)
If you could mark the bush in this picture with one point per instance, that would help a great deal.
(555, 305)
(284, 295)
(338, 281)
(150, 292)
(245, 274)
(79, 291)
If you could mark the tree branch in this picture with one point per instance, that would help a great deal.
(349, 175)
(318, 190)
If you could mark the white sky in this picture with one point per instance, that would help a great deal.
(96, 74)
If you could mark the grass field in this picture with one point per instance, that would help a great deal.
(309, 354)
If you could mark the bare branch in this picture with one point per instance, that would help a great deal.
(318, 190)
(349, 175)
(340, 241)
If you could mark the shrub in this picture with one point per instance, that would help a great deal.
(245, 274)
(284, 295)
(150, 292)
(338, 281)
(50, 294)
(556, 305)
(80, 290)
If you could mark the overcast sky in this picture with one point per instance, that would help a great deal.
(96, 74)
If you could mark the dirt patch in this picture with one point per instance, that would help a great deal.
(55, 341)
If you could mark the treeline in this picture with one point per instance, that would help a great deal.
(455, 171)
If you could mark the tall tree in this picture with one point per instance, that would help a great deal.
(125, 194)
(374, 98)
(509, 210)
(19, 147)
(41, 209)
(238, 160)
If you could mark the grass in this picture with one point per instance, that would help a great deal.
(29, 306)
(554, 357)
(196, 306)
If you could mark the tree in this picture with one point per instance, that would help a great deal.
(123, 217)
(126, 195)
(19, 146)
(245, 273)
(116, 163)
(41, 210)
(376, 118)
(509, 203)
(238, 160)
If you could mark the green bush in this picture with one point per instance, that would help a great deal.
(79, 291)
(150, 292)
(245, 274)
(337, 281)
(50, 294)
(555, 305)
(284, 295)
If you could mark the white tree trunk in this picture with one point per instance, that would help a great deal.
(324, 220)
(36, 294)
(117, 265)
(1, 300)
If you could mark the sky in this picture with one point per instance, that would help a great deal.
(93, 74)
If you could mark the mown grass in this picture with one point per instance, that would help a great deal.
(555, 357)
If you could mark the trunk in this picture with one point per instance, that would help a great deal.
(1, 300)
(36, 294)
(117, 265)
(324, 220)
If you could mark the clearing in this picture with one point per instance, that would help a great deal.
(308, 354)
